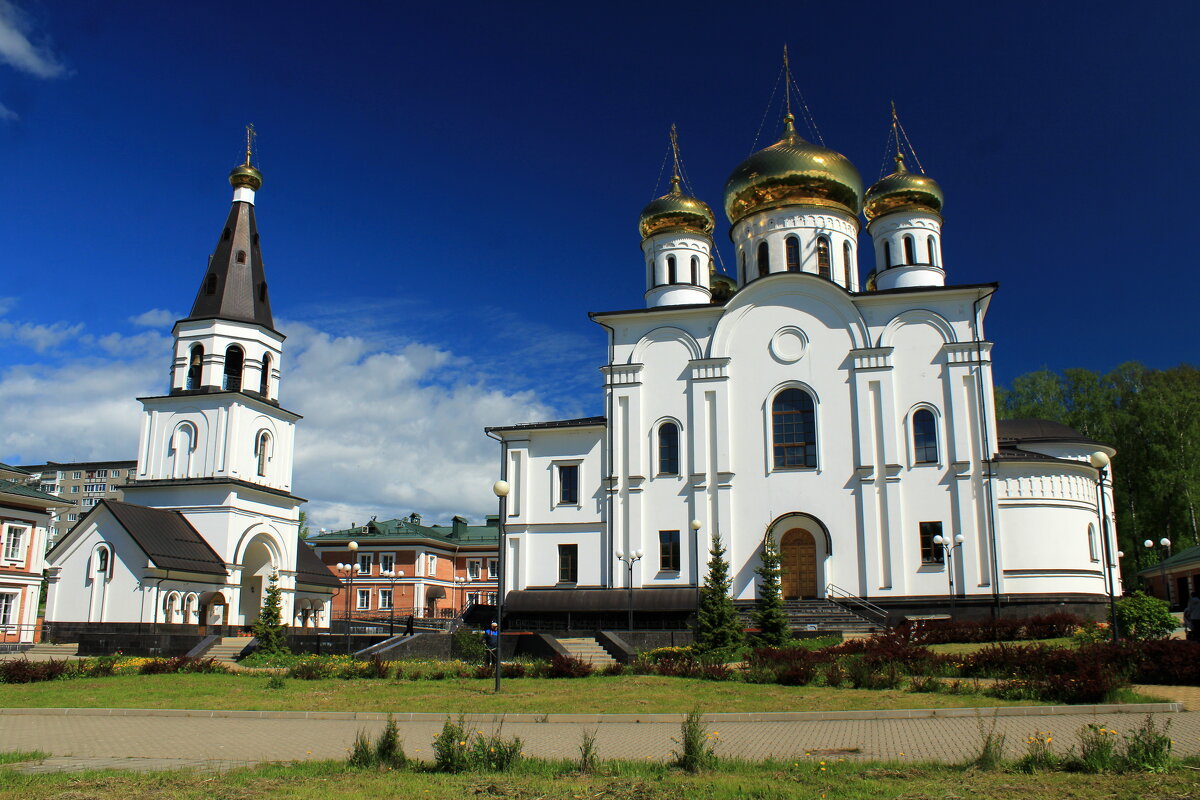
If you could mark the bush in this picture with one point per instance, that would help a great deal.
(167, 666)
(1039, 756)
(944, 631)
(22, 670)
(617, 668)
(313, 669)
(568, 667)
(1097, 748)
(494, 753)
(468, 645)
(697, 747)
(925, 684)
(454, 750)
(1148, 749)
(450, 752)
(276, 682)
(376, 667)
(1141, 617)
(866, 673)
(1166, 661)
(389, 750)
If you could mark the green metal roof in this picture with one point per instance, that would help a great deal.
(399, 530)
(9, 468)
(1182, 558)
(21, 490)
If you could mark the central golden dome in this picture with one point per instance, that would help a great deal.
(792, 172)
(676, 211)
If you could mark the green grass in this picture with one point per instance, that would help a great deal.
(614, 781)
(22, 755)
(624, 694)
(971, 647)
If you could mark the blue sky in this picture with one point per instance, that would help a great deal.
(449, 190)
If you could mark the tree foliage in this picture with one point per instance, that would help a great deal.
(1152, 418)
(268, 628)
(769, 616)
(717, 625)
(1140, 616)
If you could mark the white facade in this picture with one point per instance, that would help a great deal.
(901, 441)
(218, 450)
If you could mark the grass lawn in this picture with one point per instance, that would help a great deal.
(624, 781)
(624, 694)
(1065, 641)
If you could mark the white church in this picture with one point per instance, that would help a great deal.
(210, 515)
(852, 420)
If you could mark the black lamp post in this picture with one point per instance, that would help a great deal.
(392, 576)
(629, 561)
(350, 569)
(948, 546)
(1099, 460)
(500, 489)
(1162, 570)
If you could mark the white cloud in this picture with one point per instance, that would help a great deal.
(389, 427)
(19, 52)
(154, 318)
(41, 338)
(7, 113)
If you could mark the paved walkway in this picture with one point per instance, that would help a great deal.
(148, 740)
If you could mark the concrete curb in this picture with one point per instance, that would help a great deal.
(597, 719)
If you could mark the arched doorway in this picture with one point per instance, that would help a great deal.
(798, 568)
(258, 564)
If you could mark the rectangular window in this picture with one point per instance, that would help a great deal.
(13, 543)
(8, 605)
(387, 562)
(72, 517)
(101, 473)
(385, 598)
(473, 568)
(364, 599)
(931, 553)
(473, 598)
(94, 487)
(568, 484)
(76, 475)
(48, 488)
(668, 551)
(74, 490)
(568, 563)
(62, 475)
(364, 563)
(432, 565)
(88, 502)
(91, 473)
(1092, 544)
(493, 568)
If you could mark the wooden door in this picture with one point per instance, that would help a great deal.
(798, 550)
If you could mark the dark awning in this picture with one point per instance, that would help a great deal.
(543, 600)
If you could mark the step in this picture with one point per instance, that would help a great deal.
(588, 650)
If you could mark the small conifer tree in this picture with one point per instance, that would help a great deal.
(769, 616)
(268, 628)
(717, 625)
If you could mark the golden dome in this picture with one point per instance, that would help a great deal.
(244, 176)
(903, 190)
(792, 172)
(676, 211)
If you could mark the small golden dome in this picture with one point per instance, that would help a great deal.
(676, 212)
(903, 190)
(792, 172)
(244, 176)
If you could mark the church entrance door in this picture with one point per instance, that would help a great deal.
(798, 551)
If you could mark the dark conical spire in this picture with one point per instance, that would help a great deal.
(235, 286)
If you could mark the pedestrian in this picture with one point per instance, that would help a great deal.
(491, 640)
(1191, 617)
(408, 626)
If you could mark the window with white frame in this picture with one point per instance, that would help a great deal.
(385, 598)
(74, 490)
(1095, 555)
(88, 502)
(101, 473)
(387, 562)
(72, 517)
(8, 609)
(432, 565)
(473, 568)
(14, 542)
(493, 568)
(364, 599)
(76, 475)
(473, 598)
(94, 487)
(364, 563)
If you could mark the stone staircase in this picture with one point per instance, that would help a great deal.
(821, 616)
(226, 650)
(586, 648)
(45, 652)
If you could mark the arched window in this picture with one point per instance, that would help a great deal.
(234, 359)
(650, 278)
(262, 449)
(1092, 551)
(262, 292)
(764, 259)
(210, 283)
(925, 447)
(792, 248)
(847, 254)
(887, 254)
(264, 383)
(102, 557)
(241, 256)
(668, 449)
(743, 277)
(671, 277)
(195, 367)
(794, 429)
(183, 443)
(823, 267)
(695, 270)
(932, 251)
(910, 255)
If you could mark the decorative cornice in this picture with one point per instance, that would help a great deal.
(622, 374)
(872, 358)
(709, 369)
(967, 352)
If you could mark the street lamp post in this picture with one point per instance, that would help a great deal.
(500, 489)
(1162, 570)
(350, 569)
(696, 557)
(392, 576)
(948, 546)
(1099, 460)
(629, 561)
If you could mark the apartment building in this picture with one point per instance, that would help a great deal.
(24, 519)
(84, 483)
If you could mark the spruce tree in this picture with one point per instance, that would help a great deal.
(717, 625)
(769, 617)
(268, 628)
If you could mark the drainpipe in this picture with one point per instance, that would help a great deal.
(608, 458)
(988, 457)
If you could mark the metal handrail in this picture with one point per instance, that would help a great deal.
(865, 608)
